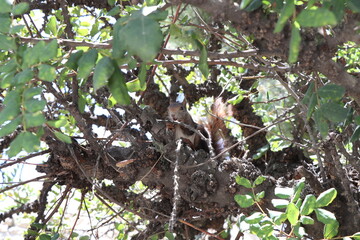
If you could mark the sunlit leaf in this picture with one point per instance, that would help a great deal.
(316, 17)
(47, 72)
(325, 198)
(244, 201)
(103, 71)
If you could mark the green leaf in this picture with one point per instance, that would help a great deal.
(44, 236)
(20, 8)
(10, 127)
(73, 60)
(280, 203)
(8, 66)
(306, 220)
(292, 213)
(298, 189)
(5, 7)
(286, 12)
(332, 91)
(12, 107)
(259, 180)
(308, 205)
(355, 136)
(57, 123)
(354, 5)
(331, 230)
(244, 3)
(7, 43)
(325, 216)
(142, 75)
(316, 17)
(256, 217)
(5, 22)
(203, 64)
(325, 198)
(118, 87)
(23, 77)
(299, 230)
(51, 26)
(31, 92)
(321, 123)
(47, 72)
(243, 182)
(86, 63)
(312, 104)
(244, 201)
(118, 48)
(255, 4)
(34, 119)
(141, 36)
(333, 112)
(356, 236)
(25, 140)
(103, 71)
(295, 42)
(134, 86)
(48, 52)
(308, 94)
(284, 192)
(34, 105)
(62, 137)
(259, 196)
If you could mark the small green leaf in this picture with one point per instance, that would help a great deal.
(354, 5)
(25, 140)
(34, 105)
(10, 127)
(321, 123)
(259, 196)
(243, 182)
(47, 72)
(62, 137)
(331, 230)
(333, 112)
(118, 87)
(8, 66)
(72, 63)
(23, 77)
(292, 213)
(203, 64)
(86, 63)
(298, 189)
(5, 22)
(325, 216)
(47, 52)
(295, 42)
(286, 12)
(308, 205)
(51, 26)
(34, 119)
(134, 86)
(325, 198)
(280, 203)
(308, 94)
(356, 236)
(141, 35)
(244, 201)
(5, 7)
(12, 107)
(7, 43)
(306, 220)
(331, 91)
(44, 237)
(103, 71)
(57, 123)
(316, 17)
(244, 3)
(256, 217)
(20, 8)
(31, 92)
(284, 192)
(355, 136)
(259, 180)
(312, 104)
(255, 4)
(142, 75)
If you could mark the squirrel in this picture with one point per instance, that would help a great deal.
(214, 126)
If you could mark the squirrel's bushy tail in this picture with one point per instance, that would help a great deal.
(216, 125)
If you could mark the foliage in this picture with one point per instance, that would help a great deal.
(84, 89)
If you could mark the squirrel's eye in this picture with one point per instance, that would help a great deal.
(181, 108)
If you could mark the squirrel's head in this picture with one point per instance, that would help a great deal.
(177, 111)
